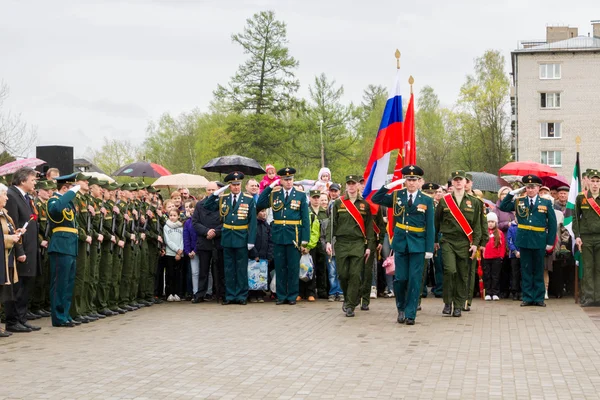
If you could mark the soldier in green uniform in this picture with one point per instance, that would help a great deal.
(126, 208)
(536, 233)
(238, 212)
(96, 202)
(414, 237)
(586, 229)
(351, 232)
(117, 253)
(457, 219)
(106, 257)
(367, 274)
(484, 238)
(143, 261)
(136, 190)
(62, 250)
(428, 189)
(153, 239)
(290, 232)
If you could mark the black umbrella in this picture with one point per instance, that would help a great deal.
(227, 164)
(142, 169)
(487, 182)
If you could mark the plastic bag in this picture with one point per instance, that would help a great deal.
(307, 268)
(389, 264)
(257, 274)
(273, 285)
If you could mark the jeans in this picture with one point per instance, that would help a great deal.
(195, 267)
(334, 281)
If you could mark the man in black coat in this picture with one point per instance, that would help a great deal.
(208, 227)
(21, 208)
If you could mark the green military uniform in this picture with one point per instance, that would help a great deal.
(352, 232)
(367, 272)
(95, 252)
(126, 209)
(117, 257)
(40, 299)
(455, 245)
(138, 291)
(152, 251)
(290, 230)
(586, 226)
(319, 255)
(62, 251)
(536, 231)
(106, 257)
(238, 213)
(428, 190)
(137, 253)
(473, 262)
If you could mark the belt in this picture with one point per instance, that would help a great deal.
(235, 227)
(65, 229)
(409, 228)
(532, 228)
(284, 222)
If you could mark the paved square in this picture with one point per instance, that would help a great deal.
(308, 351)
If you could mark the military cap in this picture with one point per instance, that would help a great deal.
(315, 193)
(152, 189)
(458, 174)
(105, 184)
(95, 181)
(41, 185)
(127, 186)
(335, 186)
(532, 180)
(469, 176)
(286, 173)
(3, 180)
(220, 184)
(111, 186)
(353, 178)
(430, 186)
(234, 177)
(562, 189)
(71, 178)
(80, 176)
(584, 174)
(412, 172)
(50, 185)
(593, 173)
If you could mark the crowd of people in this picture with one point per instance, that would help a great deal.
(79, 249)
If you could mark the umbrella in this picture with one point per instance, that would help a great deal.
(227, 164)
(181, 180)
(554, 181)
(487, 182)
(100, 176)
(142, 169)
(18, 164)
(527, 168)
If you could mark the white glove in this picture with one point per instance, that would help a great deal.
(75, 188)
(219, 191)
(275, 183)
(250, 246)
(516, 191)
(548, 247)
(393, 184)
(428, 255)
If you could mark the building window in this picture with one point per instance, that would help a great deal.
(550, 100)
(551, 158)
(549, 71)
(550, 130)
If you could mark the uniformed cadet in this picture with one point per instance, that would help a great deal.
(154, 240)
(586, 229)
(536, 233)
(136, 226)
(126, 206)
(62, 250)
(238, 212)
(351, 231)
(145, 274)
(484, 239)
(95, 201)
(117, 206)
(458, 234)
(290, 232)
(105, 269)
(414, 237)
(430, 190)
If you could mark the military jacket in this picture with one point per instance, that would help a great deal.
(239, 222)
(81, 202)
(536, 229)
(97, 220)
(153, 227)
(414, 230)
(63, 224)
(345, 232)
(585, 221)
(448, 227)
(291, 221)
(43, 226)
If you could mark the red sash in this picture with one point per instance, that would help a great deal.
(594, 205)
(355, 214)
(458, 216)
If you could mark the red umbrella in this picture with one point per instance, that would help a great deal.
(527, 168)
(18, 164)
(142, 169)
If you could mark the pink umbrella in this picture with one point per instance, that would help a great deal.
(18, 164)
(554, 181)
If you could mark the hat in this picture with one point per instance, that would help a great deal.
(532, 180)
(458, 174)
(353, 178)
(315, 193)
(430, 186)
(412, 172)
(335, 186)
(593, 173)
(562, 189)
(71, 178)
(234, 178)
(269, 166)
(133, 187)
(126, 186)
(286, 173)
(79, 176)
(491, 216)
(152, 189)
(95, 181)
(469, 176)
(112, 186)
(545, 188)
(220, 184)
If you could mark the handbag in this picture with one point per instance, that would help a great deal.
(257, 274)
(389, 264)
(307, 268)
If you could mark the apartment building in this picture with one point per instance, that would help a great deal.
(555, 98)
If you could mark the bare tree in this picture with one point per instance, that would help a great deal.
(16, 137)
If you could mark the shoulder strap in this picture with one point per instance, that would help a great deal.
(593, 203)
(459, 216)
(355, 214)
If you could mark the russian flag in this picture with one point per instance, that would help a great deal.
(389, 137)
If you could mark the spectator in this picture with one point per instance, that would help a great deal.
(173, 235)
(52, 174)
(189, 246)
(176, 199)
(324, 201)
(323, 181)
(308, 289)
(269, 178)
(492, 258)
(562, 197)
(262, 251)
(185, 194)
(252, 188)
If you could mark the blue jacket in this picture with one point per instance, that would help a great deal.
(189, 237)
(511, 240)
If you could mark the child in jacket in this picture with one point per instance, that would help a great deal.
(493, 254)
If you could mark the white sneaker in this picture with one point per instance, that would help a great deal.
(176, 298)
(546, 295)
(373, 292)
(488, 298)
(170, 298)
(495, 298)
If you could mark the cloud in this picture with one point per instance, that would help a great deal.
(106, 106)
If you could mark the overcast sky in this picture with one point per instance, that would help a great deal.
(82, 70)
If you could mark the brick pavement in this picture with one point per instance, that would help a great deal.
(310, 351)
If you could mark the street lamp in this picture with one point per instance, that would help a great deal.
(322, 147)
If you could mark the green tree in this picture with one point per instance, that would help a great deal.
(114, 154)
(265, 83)
(367, 128)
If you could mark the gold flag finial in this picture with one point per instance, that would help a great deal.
(397, 54)
(578, 142)
(411, 80)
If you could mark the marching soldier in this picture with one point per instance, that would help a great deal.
(351, 231)
(414, 236)
(536, 234)
(458, 232)
(290, 232)
(238, 236)
(586, 229)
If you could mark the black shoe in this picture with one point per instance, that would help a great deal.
(4, 333)
(18, 328)
(467, 308)
(456, 312)
(66, 325)
(344, 306)
(81, 320)
(158, 300)
(292, 302)
(31, 316)
(76, 323)
(128, 308)
(106, 312)
(242, 302)
(32, 327)
(410, 321)
(515, 297)
(401, 318)
(438, 296)
(279, 302)
(227, 302)
(364, 307)
(147, 303)
(349, 312)
(526, 304)
(540, 304)
(90, 318)
(38, 313)
(96, 315)
(119, 310)
(447, 309)
(419, 308)
(136, 305)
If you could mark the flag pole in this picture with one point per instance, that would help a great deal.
(578, 264)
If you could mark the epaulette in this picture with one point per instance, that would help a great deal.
(427, 194)
(276, 189)
(299, 190)
(248, 195)
(224, 195)
(519, 197)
